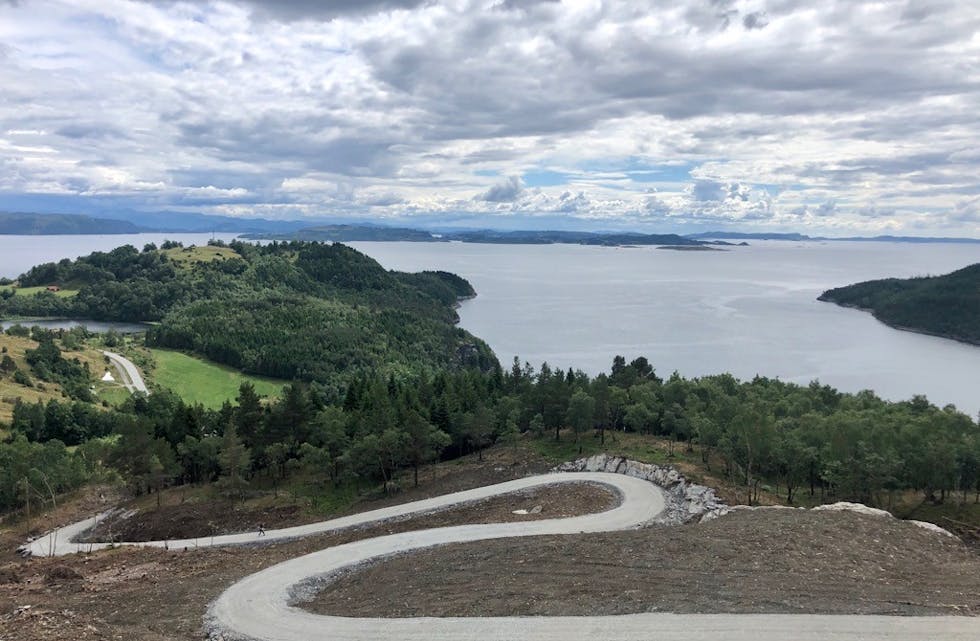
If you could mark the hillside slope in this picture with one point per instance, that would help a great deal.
(947, 306)
(287, 310)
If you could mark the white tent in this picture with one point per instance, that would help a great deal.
(107, 377)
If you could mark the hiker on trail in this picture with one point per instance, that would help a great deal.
(261, 530)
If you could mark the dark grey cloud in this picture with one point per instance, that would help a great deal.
(382, 200)
(326, 9)
(506, 191)
(280, 138)
(875, 211)
(524, 5)
(755, 20)
(96, 131)
(709, 191)
(828, 208)
(227, 179)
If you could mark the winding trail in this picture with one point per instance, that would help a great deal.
(263, 606)
(130, 375)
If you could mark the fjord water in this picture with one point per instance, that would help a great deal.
(751, 310)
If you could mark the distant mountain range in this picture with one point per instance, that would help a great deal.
(19, 223)
(321, 230)
(38, 224)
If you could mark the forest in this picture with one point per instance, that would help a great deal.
(809, 440)
(947, 306)
(382, 381)
(305, 311)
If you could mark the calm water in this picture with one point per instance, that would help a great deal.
(98, 327)
(751, 310)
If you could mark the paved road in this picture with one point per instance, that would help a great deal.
(130, 376)
(259, 606)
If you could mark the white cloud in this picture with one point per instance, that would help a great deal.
(857, 116)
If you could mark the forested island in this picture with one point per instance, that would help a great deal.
(946, 306)
(350, 233)
(377, 379)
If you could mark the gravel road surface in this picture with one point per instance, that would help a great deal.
(131, 377)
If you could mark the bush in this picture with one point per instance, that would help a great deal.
(21, 378)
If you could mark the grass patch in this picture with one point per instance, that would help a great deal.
(189, 256)
(199, 381)
(112, 393)
(31, 291)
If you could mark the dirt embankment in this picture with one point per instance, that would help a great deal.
(142, 521)
(771, 561)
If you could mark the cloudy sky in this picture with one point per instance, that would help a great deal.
(832, 117)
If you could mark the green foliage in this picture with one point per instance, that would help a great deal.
(383, 381)
(49, 365)
(34, 472)
(292, 310)
(946, 306)
(198, 381)
(234, 460)
(811, 440)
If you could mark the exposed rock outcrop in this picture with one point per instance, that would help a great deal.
(686, 501)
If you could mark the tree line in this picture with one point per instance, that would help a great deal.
(806, 439)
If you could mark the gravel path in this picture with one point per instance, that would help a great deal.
(131, 377)
(263, 605)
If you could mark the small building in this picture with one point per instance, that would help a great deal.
(108, 378)
(53, 288)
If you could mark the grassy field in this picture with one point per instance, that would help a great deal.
(199, 381)
(30, 291)
(11, 391)
(188, 256)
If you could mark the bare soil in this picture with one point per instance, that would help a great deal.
(193, 520)
(771, 561)
(176, 519)
(155, 595)
(767, 561)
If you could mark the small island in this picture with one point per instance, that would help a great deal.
(946, 306)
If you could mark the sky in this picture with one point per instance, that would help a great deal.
(836, 117)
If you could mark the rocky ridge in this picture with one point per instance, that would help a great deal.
(685, 501)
